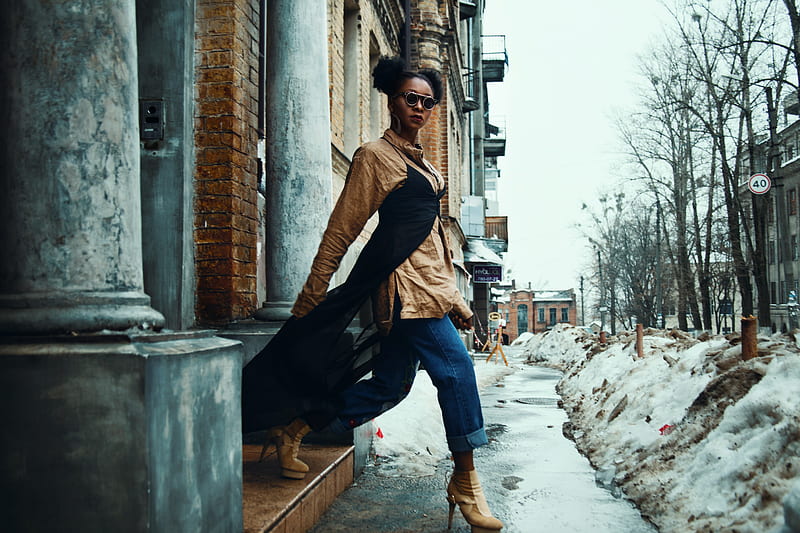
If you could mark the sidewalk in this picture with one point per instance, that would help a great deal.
(534, 478)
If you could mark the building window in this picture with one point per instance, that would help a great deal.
(522, 319)
(771, 252)
(565, 314)
(792, 201)
(553, 316)
(795, 254)
(352, 81)
(772, 291)
(541, 314)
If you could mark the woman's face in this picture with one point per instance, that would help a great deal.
(411, 118)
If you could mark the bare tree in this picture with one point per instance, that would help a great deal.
(621, 233)
(721, 45)
(662, 139)
(691, 142)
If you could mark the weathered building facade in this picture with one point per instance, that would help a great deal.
(782, 229)
(537, 311)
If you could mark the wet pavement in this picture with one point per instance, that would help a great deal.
(534, 478)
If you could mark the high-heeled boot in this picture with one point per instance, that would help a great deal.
(287, 441)
(465, 490)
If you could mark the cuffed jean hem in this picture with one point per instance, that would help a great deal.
(466, 443)
(469, 442)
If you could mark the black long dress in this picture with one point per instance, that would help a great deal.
(312, 359)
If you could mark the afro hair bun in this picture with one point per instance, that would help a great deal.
(389, 73)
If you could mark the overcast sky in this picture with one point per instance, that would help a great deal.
(571, 66)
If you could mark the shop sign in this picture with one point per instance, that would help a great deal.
(487, 273)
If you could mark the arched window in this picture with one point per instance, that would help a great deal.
(522, 319)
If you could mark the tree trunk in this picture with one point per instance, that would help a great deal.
(794, 18)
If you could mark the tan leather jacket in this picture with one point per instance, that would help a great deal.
(425, 282)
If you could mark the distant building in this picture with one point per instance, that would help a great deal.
(537, 311)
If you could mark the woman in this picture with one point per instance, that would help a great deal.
(407, 269)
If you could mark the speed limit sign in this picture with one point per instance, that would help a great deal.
(759, 184)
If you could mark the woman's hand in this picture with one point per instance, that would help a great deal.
(460, 322)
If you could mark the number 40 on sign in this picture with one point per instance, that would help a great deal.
(759, 184)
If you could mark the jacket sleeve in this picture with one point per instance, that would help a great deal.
(363, 193)
(460, 307)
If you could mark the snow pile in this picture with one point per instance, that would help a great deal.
(700, 439)
(415, 451)
(522, 339)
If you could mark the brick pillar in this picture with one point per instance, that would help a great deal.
(226, 138)
(298, 131)
(69, 167)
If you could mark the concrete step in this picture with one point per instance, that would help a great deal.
(278, 505)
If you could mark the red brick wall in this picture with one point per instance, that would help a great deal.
(226, 218)
(534, 325)
(509, 310)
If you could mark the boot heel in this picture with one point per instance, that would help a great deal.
(287, 444)
(450, 515)
(465, 491)
(292, 474)
(269, 442)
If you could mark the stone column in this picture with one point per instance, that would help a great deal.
(69, 167)
(298, 128)
(126, 430)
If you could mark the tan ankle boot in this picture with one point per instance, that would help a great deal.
(465, 490)
(287, 441)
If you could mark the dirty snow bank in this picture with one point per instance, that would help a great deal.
(700, 439)
(410, 439)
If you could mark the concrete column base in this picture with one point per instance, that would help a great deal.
(274, 311)
(118, 432)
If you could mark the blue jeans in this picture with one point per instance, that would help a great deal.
(436, 344)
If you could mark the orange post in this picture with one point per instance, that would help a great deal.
(602, 337)
(749, 339)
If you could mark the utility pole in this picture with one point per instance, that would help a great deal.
(760, 228)
(659, 306)
(602, 294)
(583, 316)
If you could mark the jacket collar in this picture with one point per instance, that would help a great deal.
(413, 150)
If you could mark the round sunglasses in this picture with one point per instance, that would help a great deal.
(412, 98)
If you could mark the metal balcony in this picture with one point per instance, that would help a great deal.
(497, 228)
(494, 58)
(494, 145)
(467, 9)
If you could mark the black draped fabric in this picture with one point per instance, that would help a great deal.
(313, 358)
